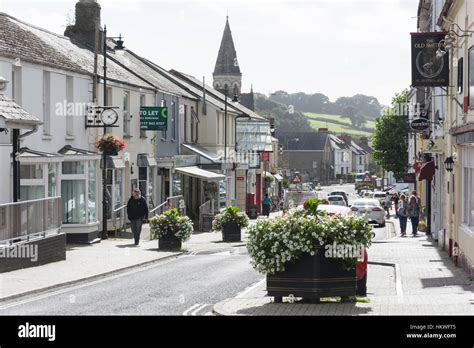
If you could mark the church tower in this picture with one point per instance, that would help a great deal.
(227, 71)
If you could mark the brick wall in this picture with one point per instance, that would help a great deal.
(50, 249)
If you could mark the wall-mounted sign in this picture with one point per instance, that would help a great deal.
(409, 178)
(420, 124)
(153, 118)
(265, 156)
(429, 68)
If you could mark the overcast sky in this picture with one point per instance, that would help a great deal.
(335, 47)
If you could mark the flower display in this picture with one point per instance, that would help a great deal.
(110, 143)
(171, 222)
(273, 243)
(229, 216)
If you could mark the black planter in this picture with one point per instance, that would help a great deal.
(313, 277)
(110, 152)
(231, 233)
(169, 242)
(252, 213)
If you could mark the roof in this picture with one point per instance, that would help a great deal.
(366, 147)
(306, 141)
(227, 56)
(357, 149)
(142, 67)
(216, 97)
(14, 116)
(32, 44)
(338, 143)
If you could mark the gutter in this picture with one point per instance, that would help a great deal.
(442, 16)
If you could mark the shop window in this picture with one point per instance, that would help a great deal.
(73, 193)
(52, 184)
(460, 74)
(92, 192)
(142, 180)
(73, 167)
(31, 171)
(28, 193)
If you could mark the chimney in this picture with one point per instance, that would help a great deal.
(346, 138)
(364, 141)
(323, 130)
(87, 20)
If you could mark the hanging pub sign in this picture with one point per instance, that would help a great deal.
(153, 118)
(409, 178)
(429, 66)
(420, 124)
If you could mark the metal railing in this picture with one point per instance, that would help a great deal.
(26, 220)
(119, 215)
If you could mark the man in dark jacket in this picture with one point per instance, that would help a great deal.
(137, 211)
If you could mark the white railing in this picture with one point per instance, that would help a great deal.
(26, 220)
(119, 215)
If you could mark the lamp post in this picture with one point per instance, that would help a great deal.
(449, 164)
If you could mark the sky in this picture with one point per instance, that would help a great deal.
(335, 47)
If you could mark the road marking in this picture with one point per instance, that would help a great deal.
(196, 311)
(191, 308)
(398, 280)
(250, 288)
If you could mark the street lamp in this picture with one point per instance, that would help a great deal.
(449, 164)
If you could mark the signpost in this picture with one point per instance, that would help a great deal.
(420, 124)
(153, 118)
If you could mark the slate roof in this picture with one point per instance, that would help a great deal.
(37, 45)
(13, 113)
(225, 63)
(307, 141)
(357, 149)
(216, 97)
(338, 143)
(366, 147)
(158, 77)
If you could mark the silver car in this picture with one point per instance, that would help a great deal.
(337, 200)
(371, 209)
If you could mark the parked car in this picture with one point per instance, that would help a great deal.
(371, 208)
(337, 200)
(340, 193)
(380, 195)
(361, 266)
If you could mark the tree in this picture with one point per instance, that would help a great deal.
(390, 140)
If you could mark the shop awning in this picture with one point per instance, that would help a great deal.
(145, 160)
(201, 151)
(427, 171)
(200, 173)
(278, 177)
(267, 174)
(115, 163)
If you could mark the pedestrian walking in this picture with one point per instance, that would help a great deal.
(396, 199)
(402, 213)
(414, 210)
(266, 204)
(388, 203)
(137, 211)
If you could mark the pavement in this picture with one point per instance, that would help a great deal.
(406, 276)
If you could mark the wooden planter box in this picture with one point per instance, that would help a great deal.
(169, 242)
(231, 233)
(313, 277)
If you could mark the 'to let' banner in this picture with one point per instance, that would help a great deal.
(429, 66)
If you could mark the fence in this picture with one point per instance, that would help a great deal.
(30, 219)
(204, 216)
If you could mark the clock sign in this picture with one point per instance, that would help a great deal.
(109, 117)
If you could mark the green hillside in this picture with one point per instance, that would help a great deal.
(338, 124)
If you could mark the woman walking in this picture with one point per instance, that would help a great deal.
(402, 213)
(414, 214)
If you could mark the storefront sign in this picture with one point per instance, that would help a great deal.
(409, 178)
(153, 118)
(420, 124)
(429, 61)
(240, 178)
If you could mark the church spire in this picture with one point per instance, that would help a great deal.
(227, 70)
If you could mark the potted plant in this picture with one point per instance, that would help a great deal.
(422, 226)
(252, 212)
(171, 229)
(309, 255)
(230, 222)
(110, 144)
